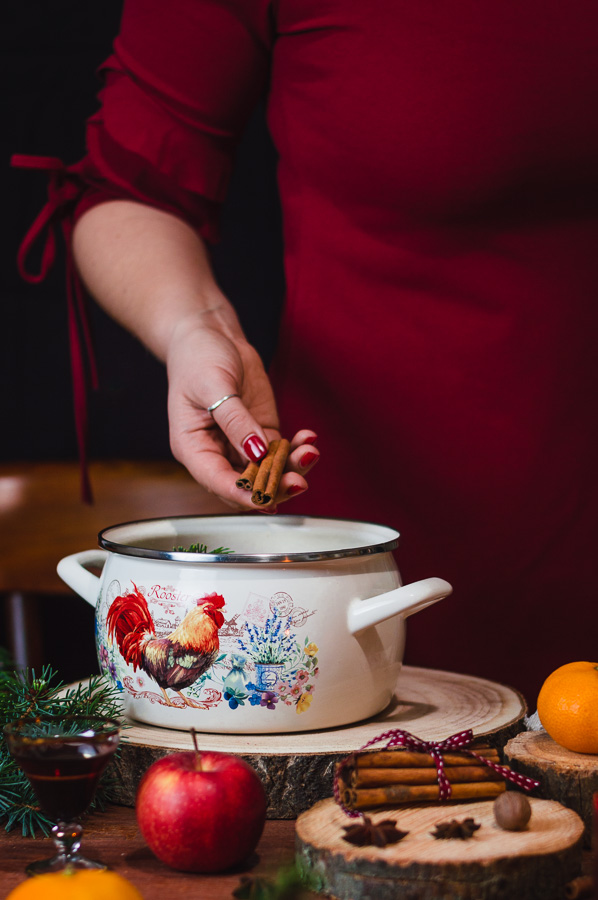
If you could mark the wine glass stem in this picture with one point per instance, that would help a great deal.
(67, 839)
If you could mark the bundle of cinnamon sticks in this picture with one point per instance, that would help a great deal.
(392, 777)
(263, 478)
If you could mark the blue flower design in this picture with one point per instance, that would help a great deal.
(235, 698)
(255, 696)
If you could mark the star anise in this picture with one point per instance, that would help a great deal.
(377, 834)
(463, 829)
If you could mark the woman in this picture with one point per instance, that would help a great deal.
(438, 182)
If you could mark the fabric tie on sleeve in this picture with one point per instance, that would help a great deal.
(64, 191)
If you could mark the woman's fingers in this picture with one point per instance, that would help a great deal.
(241, 429)
(304, 455)
(219, 423)
(214, 471)
(305, 436)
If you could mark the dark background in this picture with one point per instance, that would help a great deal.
(49, 54)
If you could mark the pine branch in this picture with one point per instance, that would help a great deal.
(202, 548)
(25, 694)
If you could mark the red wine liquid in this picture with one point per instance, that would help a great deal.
(64, 776)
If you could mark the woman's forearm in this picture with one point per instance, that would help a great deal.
(150, 271)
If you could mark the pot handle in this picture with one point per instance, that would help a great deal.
(73, 572)
(404, 601)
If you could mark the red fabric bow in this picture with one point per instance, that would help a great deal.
(64, 191)
(460, 741)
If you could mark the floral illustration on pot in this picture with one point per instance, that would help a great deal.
(285, 669)
(265, 664)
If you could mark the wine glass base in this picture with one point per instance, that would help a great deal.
(60, 862)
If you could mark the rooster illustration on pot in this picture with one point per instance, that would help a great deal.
(177, 660)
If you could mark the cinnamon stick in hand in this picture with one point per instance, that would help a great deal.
(265, 486)
(261, 479)
(247, 478)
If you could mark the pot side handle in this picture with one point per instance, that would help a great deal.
(73, 572)
(403, 601)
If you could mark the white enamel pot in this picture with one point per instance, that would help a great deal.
(301, 627)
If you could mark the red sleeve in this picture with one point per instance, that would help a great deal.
(177, 92)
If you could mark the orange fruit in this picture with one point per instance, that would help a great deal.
(81, 884)
(568, 706)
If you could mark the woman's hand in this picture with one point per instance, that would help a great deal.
(206, 361)
(152, 273)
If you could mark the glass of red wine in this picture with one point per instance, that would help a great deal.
(63, 761)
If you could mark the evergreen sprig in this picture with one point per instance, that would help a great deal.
(202, 548)
(23, 693)
(287, 883)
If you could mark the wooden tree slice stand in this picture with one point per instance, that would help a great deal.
(571, 778)
(297, 769)
(534, 864)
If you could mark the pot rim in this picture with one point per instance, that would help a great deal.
(383, 546)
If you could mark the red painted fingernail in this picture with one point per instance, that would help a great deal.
(311, 440)
(254, 447)
(294, 489)
(307, 459)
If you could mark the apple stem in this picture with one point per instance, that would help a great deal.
(194, 738)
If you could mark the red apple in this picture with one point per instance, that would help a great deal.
(201, 811)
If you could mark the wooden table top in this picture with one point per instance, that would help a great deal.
(113, 837)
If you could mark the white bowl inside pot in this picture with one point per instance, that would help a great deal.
(300, 627)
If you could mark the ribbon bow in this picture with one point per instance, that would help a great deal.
(460, 741)
(64, 190)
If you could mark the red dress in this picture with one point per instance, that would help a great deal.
(438, 176)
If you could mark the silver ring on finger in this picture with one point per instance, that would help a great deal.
(219, 403)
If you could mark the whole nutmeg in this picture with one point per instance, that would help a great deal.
(512, 811)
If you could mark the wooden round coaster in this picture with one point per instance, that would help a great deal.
(571, 778)
(530, 864)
